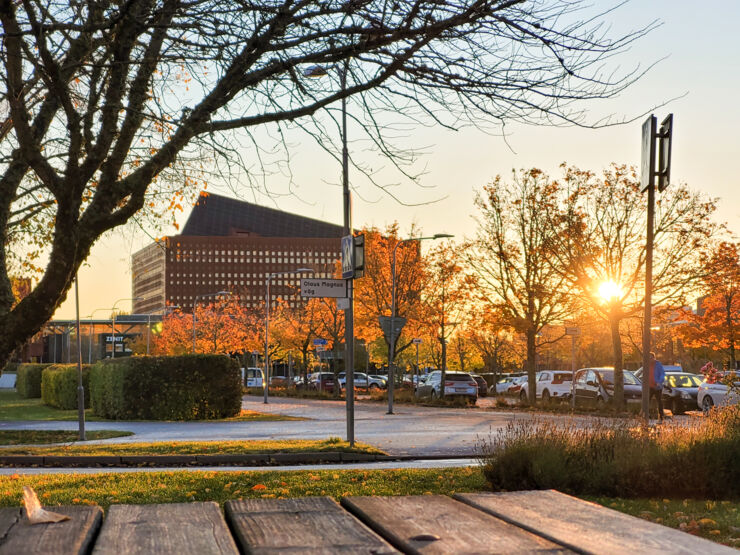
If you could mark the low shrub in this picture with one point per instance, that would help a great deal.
(189, 387)
(298, 393)
(59, 384)
(618, 458)
(28, 380)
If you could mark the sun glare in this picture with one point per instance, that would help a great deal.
(610, 290)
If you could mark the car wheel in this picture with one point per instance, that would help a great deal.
(546, 396)
(523, 396)
(374, 386)
(677, 407)
(600, 403)
(706, 404)
(473, 399)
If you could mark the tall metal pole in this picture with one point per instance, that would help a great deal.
(113, 332)
(392, 334)
(443, 340)
(648, 304)
(416, 383)
(266, 377)
(148, 330)
(573, 370)
(80, 388)
(349, 313)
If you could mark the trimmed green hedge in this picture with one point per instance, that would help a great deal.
(59, 385)
(189, 387)
(28, 380)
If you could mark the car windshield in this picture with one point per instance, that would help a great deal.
(607, 376)
(683, 380)
(561, 377)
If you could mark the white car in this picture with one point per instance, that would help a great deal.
(712, 394)
(553, 384)
(253, 377)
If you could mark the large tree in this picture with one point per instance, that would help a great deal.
(109, 105)
(599, 245)
(512, 259)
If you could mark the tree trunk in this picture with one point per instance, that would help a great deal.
(531, 370)
(730, 334)
(618, 363)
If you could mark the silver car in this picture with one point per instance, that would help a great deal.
(456, 383)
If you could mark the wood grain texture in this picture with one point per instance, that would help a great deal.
(73, 536)
(300, 525)
(403, 521)
(176, 528)
(587, 527)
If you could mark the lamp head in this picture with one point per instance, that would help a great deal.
(315, 71)
(442, 236)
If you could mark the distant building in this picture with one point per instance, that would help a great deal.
(232, 245)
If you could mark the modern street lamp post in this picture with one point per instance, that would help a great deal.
(392, 338)
(266, 377)
(195, 304)
(113, 323)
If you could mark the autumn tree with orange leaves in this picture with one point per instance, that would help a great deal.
(716, 323)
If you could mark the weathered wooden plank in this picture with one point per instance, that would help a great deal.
(300, 525)
(177, 528)
(587, 527)
(72, 536)
(439, 524)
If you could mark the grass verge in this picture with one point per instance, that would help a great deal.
(195, 448)
(180, 487)
(15, 407)
(32, 437)
(714, 520)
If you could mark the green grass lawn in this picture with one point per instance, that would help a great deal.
(714, 520)
(32, 437)
(15, 407)
(195, 448)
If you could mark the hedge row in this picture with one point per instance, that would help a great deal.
(190, 387)
(28, 380)
(59, 384)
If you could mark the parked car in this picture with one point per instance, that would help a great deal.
(321, 381)
(515, 386)
(595, 386)
(667, 368)
(253, 377)
(380, 379)
(714, 394)
(482, 385)
(279, 381)
(363, 381)
(502, 385)
(523, 390)
(680, 390)
(456, 383)
(554, 384)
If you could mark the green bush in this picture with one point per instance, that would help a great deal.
(190, 387)
(619, 459)
(59, 384)
(28, 380)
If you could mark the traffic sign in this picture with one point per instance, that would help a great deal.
(385, 325)
(312, 287)
(572, 330)
(647, 165)
(319, 341)
(342, 303)
(416, 341)
(348, 257)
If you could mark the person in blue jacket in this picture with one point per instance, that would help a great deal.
(657, 376)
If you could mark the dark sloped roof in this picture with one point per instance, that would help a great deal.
(215, 215)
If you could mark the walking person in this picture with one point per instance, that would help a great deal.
(656, 376)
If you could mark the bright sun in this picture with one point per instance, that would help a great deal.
(610, 290)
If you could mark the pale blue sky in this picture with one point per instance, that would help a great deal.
(702, 60)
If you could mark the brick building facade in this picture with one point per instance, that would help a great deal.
(231, 245)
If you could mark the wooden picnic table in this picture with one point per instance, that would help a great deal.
(512, 522)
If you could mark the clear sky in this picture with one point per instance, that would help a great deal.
(699, 62)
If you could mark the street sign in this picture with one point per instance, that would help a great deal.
(312, 287)
(647, 165)
(664, 158)
(359, 254)
(342, 303)
(416, 341)
(572, 330)
(320, 348)
(385, 325)
(319, 341)
(348, 257)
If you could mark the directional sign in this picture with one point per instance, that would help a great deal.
(647, 164)
(417, 341)
(342, 303)
(348, 257)
(572, 331)
(319, 341)
(312, 287)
